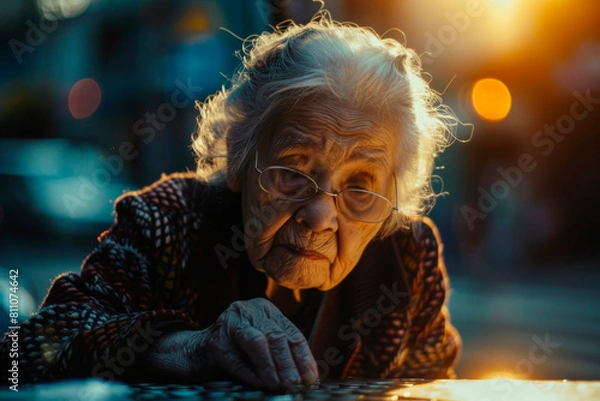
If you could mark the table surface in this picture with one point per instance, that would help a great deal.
(340, 390)
(506, 389)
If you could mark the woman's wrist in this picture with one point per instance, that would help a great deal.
(178, 354)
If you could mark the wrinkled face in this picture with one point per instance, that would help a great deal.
(311, 244)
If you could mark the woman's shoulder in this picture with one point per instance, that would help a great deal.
(413, 248)
(179, 201)
(418, 246)
(176, 192)
(420, 232)
(172, 192)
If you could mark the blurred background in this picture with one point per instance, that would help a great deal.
(97, 98)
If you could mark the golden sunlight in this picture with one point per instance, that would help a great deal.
(491, 99)
(500, 375)
(504, 389)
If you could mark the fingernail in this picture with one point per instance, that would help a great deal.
(309, 378)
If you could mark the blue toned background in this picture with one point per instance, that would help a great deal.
(97, 97)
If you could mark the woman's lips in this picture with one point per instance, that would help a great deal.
(305, 253)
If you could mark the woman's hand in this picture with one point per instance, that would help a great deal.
(255, 343)
(251, 341)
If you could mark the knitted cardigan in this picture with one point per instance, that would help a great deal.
(174, 260)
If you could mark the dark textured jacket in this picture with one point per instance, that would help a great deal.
(174, 260)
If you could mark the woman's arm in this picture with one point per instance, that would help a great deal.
(113, 321)
(98, 323)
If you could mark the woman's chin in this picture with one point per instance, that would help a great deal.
(301, 276)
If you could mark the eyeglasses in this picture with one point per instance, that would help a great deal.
(355, 203)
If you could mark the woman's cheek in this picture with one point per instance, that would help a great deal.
(264, 222)
(354, 239)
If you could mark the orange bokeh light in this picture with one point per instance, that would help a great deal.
(84, 98)
(491, 99)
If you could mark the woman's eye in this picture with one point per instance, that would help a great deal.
(360, 184)
(359, 195)
(290, 177)
(290, 183)
(359, 201)
(361, 180)
(357, 186)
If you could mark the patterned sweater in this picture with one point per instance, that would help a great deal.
(174, 260)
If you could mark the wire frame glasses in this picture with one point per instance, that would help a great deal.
(355, 203)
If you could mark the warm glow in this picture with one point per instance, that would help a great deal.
(491, 99)
(504, 389)
(510, 24)
(501, 375)
(84, 98)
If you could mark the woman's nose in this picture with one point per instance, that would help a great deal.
(319, 213)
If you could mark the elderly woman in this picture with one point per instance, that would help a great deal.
(295, 251)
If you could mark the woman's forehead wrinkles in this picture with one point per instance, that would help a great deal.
(290, 136)
(364, 132)
(313, 116)
(361, 146)
(372, 155)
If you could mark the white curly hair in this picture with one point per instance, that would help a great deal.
(349, 64)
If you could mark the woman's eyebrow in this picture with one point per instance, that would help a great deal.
(290, 137)
(376, 156)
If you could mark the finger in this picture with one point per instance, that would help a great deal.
(235, 364)
(256, 346)
(228, 358)
(303, 357)
(305, 362)
(283, 359)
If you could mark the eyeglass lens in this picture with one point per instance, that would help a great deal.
(357, 204)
